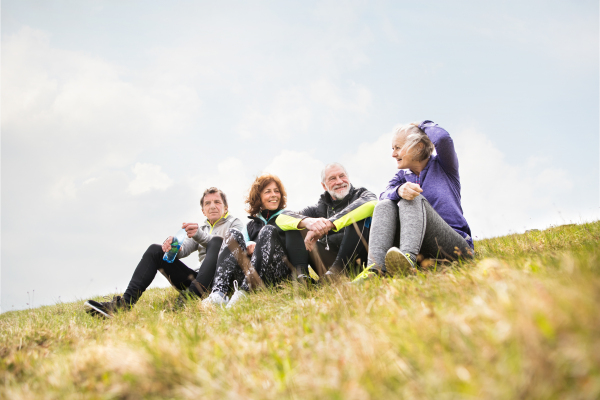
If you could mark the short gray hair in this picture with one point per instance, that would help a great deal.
(415, 135)
(328, 166)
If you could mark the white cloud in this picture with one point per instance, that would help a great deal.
(289, 115)
(300, 173)
(293, 112)
(357, 98)
(77, 115)
(148, 177)
(371, 164)
(499, 197)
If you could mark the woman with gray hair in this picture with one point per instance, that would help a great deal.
(420, 211)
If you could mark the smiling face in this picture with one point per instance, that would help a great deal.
(213, 207)
(399, 152)
(270, 197)
(337, 182)
(405, 159)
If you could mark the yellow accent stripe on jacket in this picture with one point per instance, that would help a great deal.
(359, 213)
(287, 222)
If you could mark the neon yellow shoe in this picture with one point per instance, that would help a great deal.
(313, 274)
(369, 272)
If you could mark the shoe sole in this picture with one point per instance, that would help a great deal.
(90, 308)
(234, 303)
(360, 281)
(396, 263)
(215, 304)
(332, 277)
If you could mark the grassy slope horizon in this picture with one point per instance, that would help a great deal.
(519, 321)
(104, 296)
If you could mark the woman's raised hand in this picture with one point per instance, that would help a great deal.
(250, 248)
(409, 190)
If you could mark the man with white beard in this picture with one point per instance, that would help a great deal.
(337, 226)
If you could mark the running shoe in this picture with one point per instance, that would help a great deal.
(313, 275)
(334, 273)
(238, 295)
(400, 263)
(216, 299)
(105, 308)
(369, 272)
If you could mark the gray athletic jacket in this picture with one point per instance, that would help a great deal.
(205, 232)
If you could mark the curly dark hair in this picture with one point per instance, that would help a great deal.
(253, 202)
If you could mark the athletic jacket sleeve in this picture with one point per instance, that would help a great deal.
(391, 191)
(188, 246)
(359, 209)
(201, 237)
(237, 224)
(289, 220)
(444, 147)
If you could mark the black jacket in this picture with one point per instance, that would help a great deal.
(356, 206)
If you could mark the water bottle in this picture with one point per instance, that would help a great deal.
(178, 239)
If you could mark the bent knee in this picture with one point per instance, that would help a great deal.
(417, 199)
(236, 233)
(215, 240)
(155, 248)
(267, 231)
(385, 207)
(385, 203)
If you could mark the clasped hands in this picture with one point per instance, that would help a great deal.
(317, 228)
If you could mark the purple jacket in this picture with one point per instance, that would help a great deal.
(439, 180)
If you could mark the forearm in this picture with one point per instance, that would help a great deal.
(444, 145)
(358, 214)
(291, 221)
(201, 237)
(390, 193)
(187, 247)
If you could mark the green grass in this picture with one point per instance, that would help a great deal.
(521, 321)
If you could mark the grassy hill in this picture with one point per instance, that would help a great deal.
(519, 322)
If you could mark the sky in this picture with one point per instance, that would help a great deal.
(116, 116)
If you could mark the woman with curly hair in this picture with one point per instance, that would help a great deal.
(262, 253)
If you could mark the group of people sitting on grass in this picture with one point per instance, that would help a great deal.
(348, 232)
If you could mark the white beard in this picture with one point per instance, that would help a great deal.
(339, 196)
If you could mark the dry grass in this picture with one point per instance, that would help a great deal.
(521, 321)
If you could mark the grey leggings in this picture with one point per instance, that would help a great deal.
(414, 227)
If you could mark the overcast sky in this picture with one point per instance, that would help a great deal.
(117, 115)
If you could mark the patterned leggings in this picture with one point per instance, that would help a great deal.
(269, 263)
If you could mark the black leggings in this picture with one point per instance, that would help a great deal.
(177, 273)
(344, 248)
(271, 262)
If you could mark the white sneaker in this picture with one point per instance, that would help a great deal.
(216, 299)
(238, 295)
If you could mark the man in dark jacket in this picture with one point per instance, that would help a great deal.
(338, 225)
